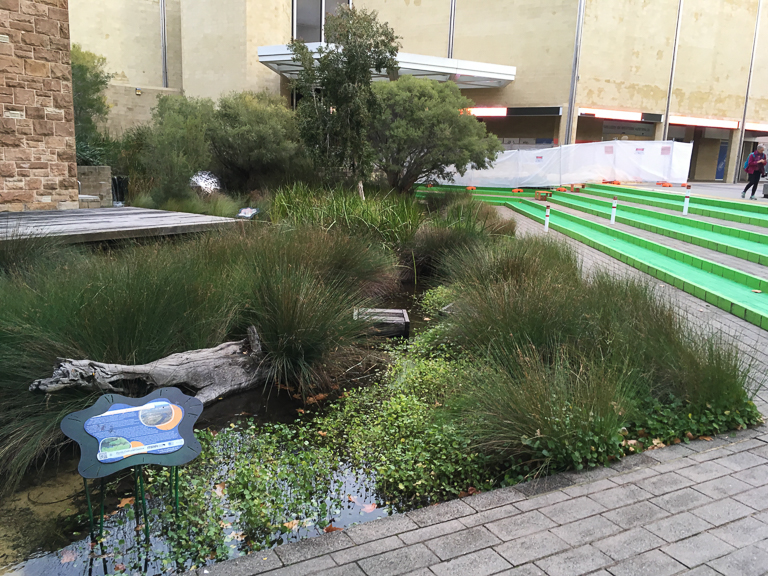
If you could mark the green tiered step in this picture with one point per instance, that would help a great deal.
(732, 241)
(721, 286)
(755, 214)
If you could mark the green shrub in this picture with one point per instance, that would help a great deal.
(89, 83)
(177, 146)
(423, 134)
(254, 140)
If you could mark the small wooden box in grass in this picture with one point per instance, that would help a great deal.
(387, 322)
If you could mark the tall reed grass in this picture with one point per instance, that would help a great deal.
(573, 357)
(142, 302)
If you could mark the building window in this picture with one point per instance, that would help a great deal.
(309, 17)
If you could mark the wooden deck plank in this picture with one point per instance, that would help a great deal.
(99, 224)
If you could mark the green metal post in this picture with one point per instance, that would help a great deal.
(143, 502)
(176, 483)
(101, 515)
(90, 509)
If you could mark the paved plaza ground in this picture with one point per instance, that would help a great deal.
(699, 509)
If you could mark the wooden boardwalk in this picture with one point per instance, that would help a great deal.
(95, 225)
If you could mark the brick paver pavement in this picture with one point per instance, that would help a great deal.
(699, 509)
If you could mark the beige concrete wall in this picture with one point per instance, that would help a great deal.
(535, 37)
(127, 34)
(423, 24)
(713, 58)
(128, 109)
(758, 99)
(220, 42)
(626, 54)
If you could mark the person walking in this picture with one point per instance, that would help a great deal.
(755, 168)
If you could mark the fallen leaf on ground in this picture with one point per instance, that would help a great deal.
(126, 502)
(291, 525)
(706, 438)
(690, 436)
(139, 528)
(368, 508)
(239, 536)
(299, 410)
(68, 556)
(472, 490)
(316, 398)
(297, 396)
(463, 494)
(352, 498)
(323, 434)
(676, 441)
(218, 489)
(119, 567)
(332, 529)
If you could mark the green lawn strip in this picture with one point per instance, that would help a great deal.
(701, 200)
(729, 214)
(685, 231)
(718, 285)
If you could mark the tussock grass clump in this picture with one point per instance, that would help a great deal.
(216, 205)
(20, 252)
(143, 302)
(421, 235)
(591, 354)
(566, 413)
(388, 218)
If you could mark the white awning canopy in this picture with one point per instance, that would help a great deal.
(465, 73)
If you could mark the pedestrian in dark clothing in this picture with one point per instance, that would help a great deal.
(755, 168)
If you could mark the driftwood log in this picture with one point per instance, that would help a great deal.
(211, 372)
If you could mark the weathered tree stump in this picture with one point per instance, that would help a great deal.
(211, 372)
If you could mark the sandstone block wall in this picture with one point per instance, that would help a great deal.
(96, 181)
(38, 168)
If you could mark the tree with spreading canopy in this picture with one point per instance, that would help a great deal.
(337, 98)
(423, 132)
(90, 80)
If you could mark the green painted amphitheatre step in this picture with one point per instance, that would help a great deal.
(732, 241)
(721, 286)
(745, 206)
(725, 210)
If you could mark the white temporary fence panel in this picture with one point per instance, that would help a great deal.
(622, 160)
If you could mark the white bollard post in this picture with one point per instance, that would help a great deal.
(685, 205)
(546, 220)
(613, 210)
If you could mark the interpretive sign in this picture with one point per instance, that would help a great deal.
(119, 432)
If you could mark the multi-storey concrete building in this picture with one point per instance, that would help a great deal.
(584, 70)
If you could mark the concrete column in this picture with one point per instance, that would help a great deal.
(562, 129)
(658, 133)
(734, 156)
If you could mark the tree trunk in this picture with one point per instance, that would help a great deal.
(211, 372)
(360, 189)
